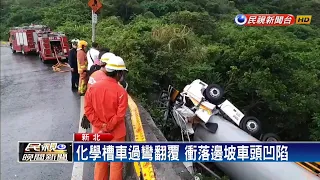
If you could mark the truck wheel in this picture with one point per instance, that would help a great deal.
(214, 94)
(42, 60)
(251, 125)
(270, 137)
(13, 51)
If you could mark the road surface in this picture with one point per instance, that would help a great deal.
(36, 104)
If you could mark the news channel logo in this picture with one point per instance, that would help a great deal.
(240, 19)
(45, 147)
(61, 147)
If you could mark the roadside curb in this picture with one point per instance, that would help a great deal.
(77, 171)
(145, 168)
(4, 44)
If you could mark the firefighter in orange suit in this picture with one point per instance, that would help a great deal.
(101, 73)
(82, 66)
(106, 103)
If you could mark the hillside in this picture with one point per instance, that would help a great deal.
(272, 72)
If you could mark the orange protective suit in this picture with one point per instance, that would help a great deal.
(116, 168)
(82, 70)
(96, 77)
(106, 103)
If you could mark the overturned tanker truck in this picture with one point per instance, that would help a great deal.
(220, 121)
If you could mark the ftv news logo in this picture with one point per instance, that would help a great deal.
(271, 19)
(45, 147)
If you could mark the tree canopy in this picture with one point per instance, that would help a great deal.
(269, 72)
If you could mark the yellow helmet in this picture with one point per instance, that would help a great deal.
(82, 43)
(106, 56)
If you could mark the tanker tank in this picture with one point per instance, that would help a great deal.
(228, 132)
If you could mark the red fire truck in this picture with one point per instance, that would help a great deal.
(39, 38)
(52, 46)
(23, 39)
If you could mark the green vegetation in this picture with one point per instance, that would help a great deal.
(269, 72)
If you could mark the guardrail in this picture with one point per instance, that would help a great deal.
(141, 128)
(144, 169)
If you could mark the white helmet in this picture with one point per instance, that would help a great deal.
(106, 56)
(116, 63)
(74, 40)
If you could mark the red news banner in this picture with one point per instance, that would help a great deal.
(92, 137)
(269, 19)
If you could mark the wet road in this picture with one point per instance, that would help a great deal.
(36, 104)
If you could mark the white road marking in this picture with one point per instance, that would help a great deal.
(77, 171)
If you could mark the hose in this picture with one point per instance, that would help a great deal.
(57, 67)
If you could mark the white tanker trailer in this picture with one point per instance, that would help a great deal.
(227, 132)
(201, 112)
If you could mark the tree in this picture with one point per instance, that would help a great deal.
(272, 73)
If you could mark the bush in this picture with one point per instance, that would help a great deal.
(272, 73)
